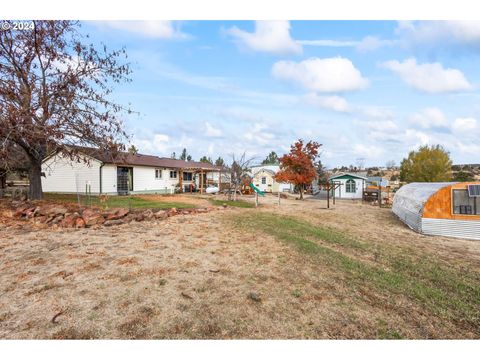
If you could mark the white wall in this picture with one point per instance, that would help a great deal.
(109, 179)
(342, 194)
(66, 176)
(144, 180)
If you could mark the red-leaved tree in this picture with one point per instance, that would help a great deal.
(297, 167)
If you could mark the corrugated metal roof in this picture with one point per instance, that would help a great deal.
(410, 199)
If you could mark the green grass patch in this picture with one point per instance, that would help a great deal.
(129, 202)
(442, 290)
(236, 203)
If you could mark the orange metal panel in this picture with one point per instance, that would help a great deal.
(439, 205)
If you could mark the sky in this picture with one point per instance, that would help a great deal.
(368, 91)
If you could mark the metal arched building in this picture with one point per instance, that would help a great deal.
(446, 209)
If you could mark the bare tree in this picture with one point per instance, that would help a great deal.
(360, 162)
(238, 171)
(54, 92)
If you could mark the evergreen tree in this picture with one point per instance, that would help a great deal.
(271, 159)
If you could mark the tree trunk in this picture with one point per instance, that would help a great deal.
(3, 180)
(235, 193)
(35, 178)
(301, 192)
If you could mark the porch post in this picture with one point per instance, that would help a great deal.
(201, 181)
(180, 174)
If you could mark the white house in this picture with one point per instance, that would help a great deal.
(124, 173)
(263, 177)
(350, 186)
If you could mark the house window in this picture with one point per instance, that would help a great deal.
(158, 174)
(350, 186)
(464, 204)
(187, 176)
(264, 180)
(173, 174)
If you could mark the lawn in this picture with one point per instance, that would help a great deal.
(234, 203)
(382, 271)
(128, 202)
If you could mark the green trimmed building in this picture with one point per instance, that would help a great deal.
(351, 185)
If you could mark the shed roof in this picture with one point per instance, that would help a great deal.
(346, 175)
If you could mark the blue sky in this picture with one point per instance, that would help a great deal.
(364, 89)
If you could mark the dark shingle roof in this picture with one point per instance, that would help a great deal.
(126, 158)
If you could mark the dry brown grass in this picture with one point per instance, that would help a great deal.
(191, 276)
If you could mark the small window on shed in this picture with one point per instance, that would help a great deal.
(158, 174)
(350, 186)
(464, 204)
(173, 174)
(264, 180)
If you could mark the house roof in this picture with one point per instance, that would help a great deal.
(347, 175)
(126, 158)
(269, 171)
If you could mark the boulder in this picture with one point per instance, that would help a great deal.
(115, 214)
(69, 221)
(92, 217)
(40, 219)
(139, 217)
(161, 214)
(129, 217)
(113, 222)
(172, 212)
(79, 223)
(147, 214)
(20, 211)
(30, 212)
(57, 219)
(201, 210)
(52, 210)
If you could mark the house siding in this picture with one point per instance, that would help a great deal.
(144, 180)
(109, 179)
(65, 176)
(341, 192)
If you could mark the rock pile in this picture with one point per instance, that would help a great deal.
(68, 216)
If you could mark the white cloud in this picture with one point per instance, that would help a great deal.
(334, 102)
(323, 75)
(443, 33)
(384, 126)
(464, 125)
(158, 144)
(367, 151)
(428, 77)
(269, 36)
(329, 43)
(416, 138)
(259, 134)
(376, 112)
(429, 118)
(212, 131)
(155, 29)
(368, 43)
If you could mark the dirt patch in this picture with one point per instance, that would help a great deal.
(130, 281)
